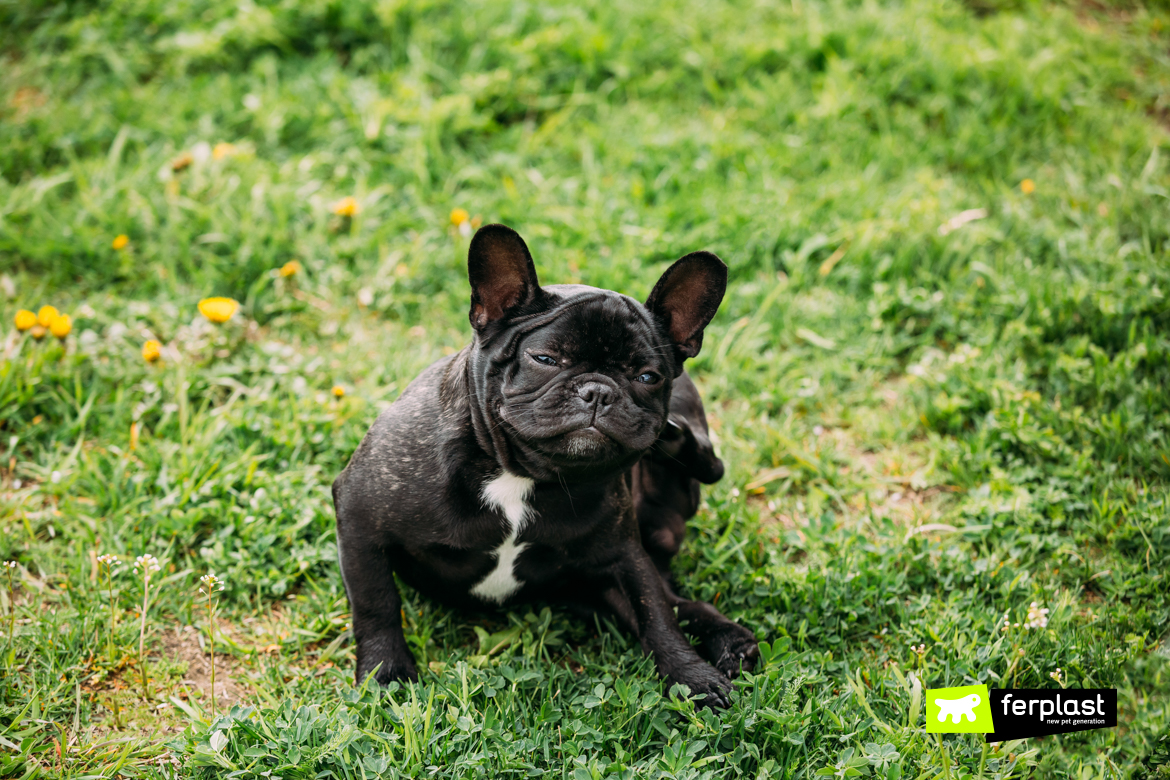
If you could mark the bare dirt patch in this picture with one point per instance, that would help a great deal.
(188, 645)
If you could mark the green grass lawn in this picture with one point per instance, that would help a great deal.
(939, 379)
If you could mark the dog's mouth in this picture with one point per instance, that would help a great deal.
(587, 446)
(587, 443)
(575, 441)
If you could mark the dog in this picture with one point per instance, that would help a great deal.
(506, 472)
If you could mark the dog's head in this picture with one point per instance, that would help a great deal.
(570, 382)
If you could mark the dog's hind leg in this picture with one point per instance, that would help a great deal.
(725, 644)
(639, 601)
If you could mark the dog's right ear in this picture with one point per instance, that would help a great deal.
(502, 275)
(686, 298)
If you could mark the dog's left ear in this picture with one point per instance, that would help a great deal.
(502, 275)
(686, 298)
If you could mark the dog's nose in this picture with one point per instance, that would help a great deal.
(596, 393)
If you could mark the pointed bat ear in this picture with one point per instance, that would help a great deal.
(502, 275)
(686, 298)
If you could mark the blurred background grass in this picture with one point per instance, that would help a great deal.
(938, 379)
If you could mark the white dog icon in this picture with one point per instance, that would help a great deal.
(957, 709)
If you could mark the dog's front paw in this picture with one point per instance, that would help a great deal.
(732, 650)
(704, 681)
(386, 667)
(398, 672)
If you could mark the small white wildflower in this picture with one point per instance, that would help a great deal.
(212, 583)
(55, 477)
(818, 430)
(201, 152)
(1037, 616)
(9, 564)
(147, 565)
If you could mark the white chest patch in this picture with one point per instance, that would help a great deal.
(509, 495)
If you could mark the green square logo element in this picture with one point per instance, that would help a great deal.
(963, 710)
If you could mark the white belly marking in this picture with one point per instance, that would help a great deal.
(509, 495)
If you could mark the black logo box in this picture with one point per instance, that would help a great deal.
(1019, 713)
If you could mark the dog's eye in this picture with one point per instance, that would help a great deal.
(648, 378)
(545, 360)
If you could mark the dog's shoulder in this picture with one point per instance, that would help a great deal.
(411, 439)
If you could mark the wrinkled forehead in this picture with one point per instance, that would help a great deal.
(597, 326)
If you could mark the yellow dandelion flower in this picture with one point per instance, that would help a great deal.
(338, 391)
(151, 350)
(121, 241)
(222, 150)
(218, 309)
(1027, 186)
(46, 315)
(61, 326)
(182, 162)
(291, 268)
(459, 216)
(25, 319)
(347, 207)
(38, 332)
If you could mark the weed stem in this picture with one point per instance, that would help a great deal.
(142, 631)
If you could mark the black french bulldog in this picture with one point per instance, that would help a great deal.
(510, 471)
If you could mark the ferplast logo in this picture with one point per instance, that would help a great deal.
(962, 710)
(1019, 713)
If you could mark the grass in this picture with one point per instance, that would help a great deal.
(928, 425)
